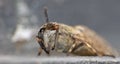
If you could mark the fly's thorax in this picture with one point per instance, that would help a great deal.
(65, 40)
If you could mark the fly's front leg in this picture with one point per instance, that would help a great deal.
(40, 42)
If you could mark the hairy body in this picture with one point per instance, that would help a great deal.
(77, 40)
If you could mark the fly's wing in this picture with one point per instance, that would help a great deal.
(95, 41)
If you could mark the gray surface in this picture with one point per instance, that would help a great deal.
(101, 15)
(58, 60)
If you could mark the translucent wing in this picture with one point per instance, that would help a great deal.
(96, 42)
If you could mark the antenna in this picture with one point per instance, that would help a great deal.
(46, 14)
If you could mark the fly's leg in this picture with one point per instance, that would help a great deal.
(42, 47)
(80, 44)
(98, 53)
(94, 50)
(74, 47)
(39, 42)
(71, 48)
(75, 44)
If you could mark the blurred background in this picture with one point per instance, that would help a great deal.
(20, 21)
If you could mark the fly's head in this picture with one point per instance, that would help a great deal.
(49, 32)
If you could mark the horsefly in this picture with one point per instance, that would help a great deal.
(77, 40)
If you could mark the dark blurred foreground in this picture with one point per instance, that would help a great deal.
(58, 60)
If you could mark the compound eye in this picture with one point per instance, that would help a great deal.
(40, 33)
(42, 30)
